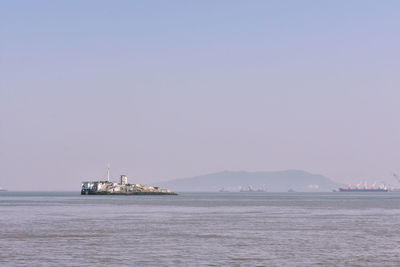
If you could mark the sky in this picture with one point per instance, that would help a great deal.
(172, 89)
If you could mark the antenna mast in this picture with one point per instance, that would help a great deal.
(108, 172)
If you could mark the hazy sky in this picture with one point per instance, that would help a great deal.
(171, 89)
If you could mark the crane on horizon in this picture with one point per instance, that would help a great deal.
(397, 177)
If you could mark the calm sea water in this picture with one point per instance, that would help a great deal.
(195, 229)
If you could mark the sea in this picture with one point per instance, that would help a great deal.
(200, 229)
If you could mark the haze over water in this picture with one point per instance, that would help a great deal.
(200, 229)
(173, 89)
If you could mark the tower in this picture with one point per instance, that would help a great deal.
(124, 179)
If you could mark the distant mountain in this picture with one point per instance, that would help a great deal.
(280, 181)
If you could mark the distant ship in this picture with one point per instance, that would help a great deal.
(244, 189)
(253, 189)
(122, 188)
(2, 189)
(365, 188)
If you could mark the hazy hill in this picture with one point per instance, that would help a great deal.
(280, 181)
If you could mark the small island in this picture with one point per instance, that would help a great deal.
(122, 188)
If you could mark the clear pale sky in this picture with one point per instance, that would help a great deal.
(172, 89)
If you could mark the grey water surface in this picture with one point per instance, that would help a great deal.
(200, 229)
